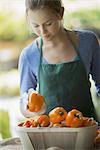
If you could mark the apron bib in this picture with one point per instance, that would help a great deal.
(65, 85)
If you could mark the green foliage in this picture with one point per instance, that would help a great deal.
(4, 124)
(12, 27)
(8, 91)
(83, 18)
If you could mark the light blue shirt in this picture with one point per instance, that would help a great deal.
(89, 50)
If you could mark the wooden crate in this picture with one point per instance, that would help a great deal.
(64, 138)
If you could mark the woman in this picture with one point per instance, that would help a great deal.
(59, 60)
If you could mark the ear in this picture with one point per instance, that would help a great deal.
(61, 13)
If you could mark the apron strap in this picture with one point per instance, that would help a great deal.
(41, 53)
(74, 45)
(40, 62)
(72, 41)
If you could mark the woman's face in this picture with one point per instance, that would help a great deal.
(44, 23)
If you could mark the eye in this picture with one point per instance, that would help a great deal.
(48, 24)
(35, 26)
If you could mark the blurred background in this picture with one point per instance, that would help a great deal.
(14, 36)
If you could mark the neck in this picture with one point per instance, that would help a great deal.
(60, 36)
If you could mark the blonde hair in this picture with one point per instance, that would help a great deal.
(54, 5)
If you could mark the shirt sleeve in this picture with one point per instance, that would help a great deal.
(27, 77)
(95, 64)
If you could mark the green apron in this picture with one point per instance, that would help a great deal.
(65, 84)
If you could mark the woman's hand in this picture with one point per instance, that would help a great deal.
(24, 105)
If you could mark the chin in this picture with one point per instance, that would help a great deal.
(48, 38)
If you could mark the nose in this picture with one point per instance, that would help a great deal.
(42, 30)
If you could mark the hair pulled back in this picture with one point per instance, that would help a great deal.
(54, 5)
